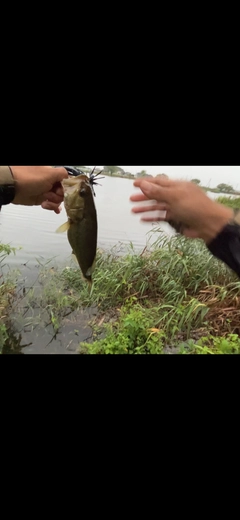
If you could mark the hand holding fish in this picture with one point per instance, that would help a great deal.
(39, 185)
(186, 207)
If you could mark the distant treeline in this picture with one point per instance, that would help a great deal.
(117, 171)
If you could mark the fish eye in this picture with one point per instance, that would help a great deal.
(82, 192)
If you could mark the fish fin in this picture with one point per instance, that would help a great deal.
(63, 227)
(89, 281)
(90, 287)
(91, 269)
(74, 257)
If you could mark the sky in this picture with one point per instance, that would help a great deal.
(208, 175)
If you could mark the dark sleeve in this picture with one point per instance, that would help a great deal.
(7, 187)
(226, 246)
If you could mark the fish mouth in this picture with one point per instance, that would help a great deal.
(73, 181)
(72, 184)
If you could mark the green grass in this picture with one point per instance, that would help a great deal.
(230, 202)
(212, 345)
(7, 289)
(173, 272)
(164, 300)
(178, 289)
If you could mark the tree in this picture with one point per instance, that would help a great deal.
(162, 175)
(112, 169)
(225, 188)
(143, 173)
(196, 181)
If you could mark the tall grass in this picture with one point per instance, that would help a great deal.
(230, 202)
(7, 288)
(173, 292)
(182, 285)
(173, 271)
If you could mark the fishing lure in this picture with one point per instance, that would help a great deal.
(74, 172)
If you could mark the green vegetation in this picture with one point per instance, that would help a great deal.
(7, 289)
(230, 202)
(225, 188)
(196, 181)
(112, 169)
(158, 299)
(212, 345)
(174, 298)
(142, 173)
(130, 334)
(221, 188)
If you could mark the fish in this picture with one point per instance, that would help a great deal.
(82, 225)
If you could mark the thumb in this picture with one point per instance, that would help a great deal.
(59, 174)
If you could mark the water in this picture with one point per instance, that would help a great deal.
(34, 229)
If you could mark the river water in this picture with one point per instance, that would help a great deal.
(34, 229)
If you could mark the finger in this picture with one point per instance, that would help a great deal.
(150, 207)
(154, 191)
(190, 233)
(59, 174)
(138, 197)
(51, 206)
(137, 182)
(153, 219)
(52, 197)
(160, 180)
(58, 190)
(58, 210)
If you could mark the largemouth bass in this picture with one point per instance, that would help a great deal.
(82, 225)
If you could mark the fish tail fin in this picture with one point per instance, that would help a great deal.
(88, 279)
(90, 287)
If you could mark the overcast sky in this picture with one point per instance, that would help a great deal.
(209, 175)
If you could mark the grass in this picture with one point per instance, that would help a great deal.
(230, 202)
(7, 291)
(212, 345)
(175, 298)
(178, 290)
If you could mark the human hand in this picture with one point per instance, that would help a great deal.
(183, 202)
(39, 185)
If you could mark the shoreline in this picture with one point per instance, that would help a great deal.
(144, 303)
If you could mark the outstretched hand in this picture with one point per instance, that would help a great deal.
(182, 202)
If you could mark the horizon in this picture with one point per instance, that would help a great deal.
(210, 176)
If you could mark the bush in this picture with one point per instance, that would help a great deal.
(213, 345)
(133, 333)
